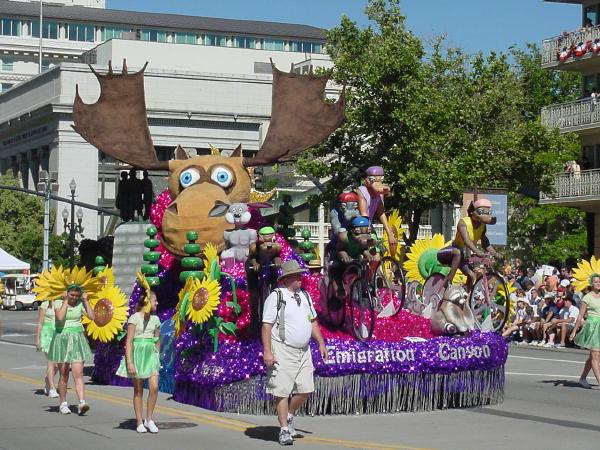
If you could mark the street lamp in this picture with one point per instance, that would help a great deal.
(72, 227)
(48, 185)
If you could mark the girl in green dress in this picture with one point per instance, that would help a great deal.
(69, 347)
(141, 361)
(589, 336)
(43, 337)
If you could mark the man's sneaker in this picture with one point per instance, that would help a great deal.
(83, 407)
(152, 428)
(559, 345)
(64, 408)
(548, 345)
(52, 393)
(291, 428)
(584, 383)
(285, 438)
(141, 428)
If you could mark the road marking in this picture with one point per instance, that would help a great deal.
(17, 344)
(30, 324)
(16, 335)
(218, 421)
(540, 375)
(547, 359)
(28, 367)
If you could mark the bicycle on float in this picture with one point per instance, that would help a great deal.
(489, 298)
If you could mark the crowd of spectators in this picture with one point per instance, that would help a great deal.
(546, 306)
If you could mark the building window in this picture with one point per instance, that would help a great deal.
(113, 32)
(273, 44)
(155, 36)
(5, 86)
(244, 42)
(185, 38)
(45, 65)
(80, 32)
(590, 16)
(10, 27)
(50, 29)
(7, 65)
(215, 40)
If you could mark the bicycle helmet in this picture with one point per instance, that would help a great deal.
(345, 197)
(359, 221)
(266, 230)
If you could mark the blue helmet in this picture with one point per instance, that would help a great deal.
(359, 221)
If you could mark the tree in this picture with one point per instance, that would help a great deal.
(439, 122)
(22, 226)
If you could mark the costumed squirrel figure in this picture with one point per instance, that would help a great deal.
(266, 250)
(453, 314)
(238, 240)
(356, 242)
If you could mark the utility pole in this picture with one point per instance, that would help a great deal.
(41, 36)
(47, 185)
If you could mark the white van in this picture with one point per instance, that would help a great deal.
(17, 292)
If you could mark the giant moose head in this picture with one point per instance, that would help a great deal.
(201, 187)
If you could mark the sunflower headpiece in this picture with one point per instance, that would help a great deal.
(52, 284)
(585, 272)
(143, 282)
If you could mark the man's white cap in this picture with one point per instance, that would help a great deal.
(565, 282)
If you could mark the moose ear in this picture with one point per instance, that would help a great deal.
(180, 153)
(237, 152)
(219, 209)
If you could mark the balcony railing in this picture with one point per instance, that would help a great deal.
(552, 47)
(424, 230)
(575, 185)
(578, 114)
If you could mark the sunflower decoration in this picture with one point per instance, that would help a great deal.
(203, 299)
(110, 313)
(211, 254)
(584, 271)
(143, 282)
(182, 306)
(421, 260)
(106, 277)
(53, 284)
(395, 223)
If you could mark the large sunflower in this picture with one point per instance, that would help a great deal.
(143, 282)
(110, 312)
(583, 272)
(395, 223)
(106, 277)
(53, 284)
(182, 305)
(421, 260)
(203, 299)
(211, 253)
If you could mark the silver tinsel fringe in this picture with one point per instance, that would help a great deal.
(362, 393)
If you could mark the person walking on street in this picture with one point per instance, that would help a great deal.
(589, 336)
(69, 348)
(43, 338)
(141, 361)
(289, 321)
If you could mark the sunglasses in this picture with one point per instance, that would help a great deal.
(484, 211)
(297, 298)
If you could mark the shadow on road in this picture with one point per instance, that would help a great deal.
(565, 383)
(269, 434)
(131, 424)
(539, 419)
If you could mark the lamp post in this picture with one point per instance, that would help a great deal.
(72, 227)
(41, 37)
(48, 185)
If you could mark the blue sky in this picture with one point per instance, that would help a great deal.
(470, 24)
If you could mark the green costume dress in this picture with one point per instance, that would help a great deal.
(47, 331)
(589, 336)
(144, 352)
(69, 343)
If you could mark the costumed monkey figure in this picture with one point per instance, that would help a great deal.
(238, 240)
(265, 251)
(453, 314)
(370, 201)
(470, 231)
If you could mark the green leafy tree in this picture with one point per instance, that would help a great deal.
(439, 122)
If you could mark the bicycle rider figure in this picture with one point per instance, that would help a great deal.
(370, 201)
(470, 231)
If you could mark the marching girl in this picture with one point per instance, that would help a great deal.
(141, 361)
(43, 337)
(69, 347)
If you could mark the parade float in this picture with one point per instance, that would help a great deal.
(198, 261)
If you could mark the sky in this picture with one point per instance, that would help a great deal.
(473, 25)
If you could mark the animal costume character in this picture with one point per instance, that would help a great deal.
(370, 201)
(356, 242)
(202, 187)
(470, 230)
(265, 251)
(343, 213)
(453, 314)
(237, 241)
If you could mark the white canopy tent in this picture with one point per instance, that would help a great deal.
(9, 262)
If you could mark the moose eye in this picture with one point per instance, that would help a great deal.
(189, 177)
(222, 176)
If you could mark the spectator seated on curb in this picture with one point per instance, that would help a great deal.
(565, 323)
(523, 317)
(549, 312)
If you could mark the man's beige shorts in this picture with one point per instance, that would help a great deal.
(293, 371)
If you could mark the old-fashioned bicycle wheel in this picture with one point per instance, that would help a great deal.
(490, 308)
(362, 312)
(388, 281)
(335, 307)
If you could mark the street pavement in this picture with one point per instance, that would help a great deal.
(544, 408)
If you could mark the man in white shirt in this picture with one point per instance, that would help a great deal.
(564, 323)
(289, 321)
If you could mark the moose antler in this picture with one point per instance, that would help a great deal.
(116, 124)
(300, 117)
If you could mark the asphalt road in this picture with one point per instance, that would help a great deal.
(544, 409)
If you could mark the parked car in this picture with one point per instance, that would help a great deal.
(17, 292)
